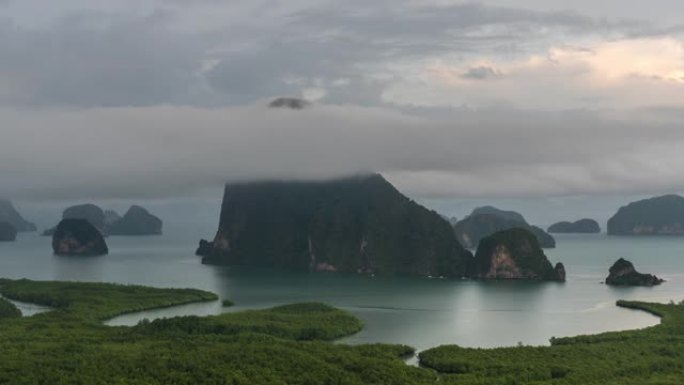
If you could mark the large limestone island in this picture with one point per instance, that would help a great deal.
(485, 221)
(78, 237)
(582, 226)
(136, 221)
(623, 273)
(662, 215)
(359, 224)
(10, 215)
(514, 254)
(7, 232)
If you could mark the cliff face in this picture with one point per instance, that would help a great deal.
(623, 273)
(7, 232)
(358, 224)
(10, 215)
(662, 215)
(513, 254)
(582, 226)
(485, 221)
(78, 237)
(136, 221)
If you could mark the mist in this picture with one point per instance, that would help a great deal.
(164, 152)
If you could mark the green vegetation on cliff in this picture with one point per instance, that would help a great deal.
(357, 225)
(662, 215)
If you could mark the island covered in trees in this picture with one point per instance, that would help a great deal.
(359, 224)
(487, 220)
(663, 215)
(136, 221)
(582, 226)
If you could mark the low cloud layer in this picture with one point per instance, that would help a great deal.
(159, 98)
(169, 151)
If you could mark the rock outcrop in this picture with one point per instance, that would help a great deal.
(662, 215)
(582, 226)
(10, 215)
(7, 232)
(136, 221)
(360, 224)
(88, 211)
(205, 247)
(485, 221)
(290, 103)
(623, 273)
(78, 237)
(513, 254)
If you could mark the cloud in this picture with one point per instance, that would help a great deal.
(171, 151)
(207, 53)
(94, 60)
(158, 99)
(480, 72)
(621, 74)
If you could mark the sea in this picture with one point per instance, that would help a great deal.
(420, 312)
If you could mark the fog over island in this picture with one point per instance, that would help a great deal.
(538, 106)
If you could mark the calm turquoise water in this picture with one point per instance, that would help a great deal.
(418, 312)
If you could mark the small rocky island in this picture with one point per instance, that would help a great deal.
(513, 254)
(582, 226)
(623, 273)
(358, 224)
(7, 232)
(78, 237)
(662, 215)
(485, 221)
(136, 221)
(10, 215)
(88, 211)
(289, 103)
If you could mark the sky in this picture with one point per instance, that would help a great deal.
(520, 102)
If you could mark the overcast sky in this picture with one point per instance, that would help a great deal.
(133, 99)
